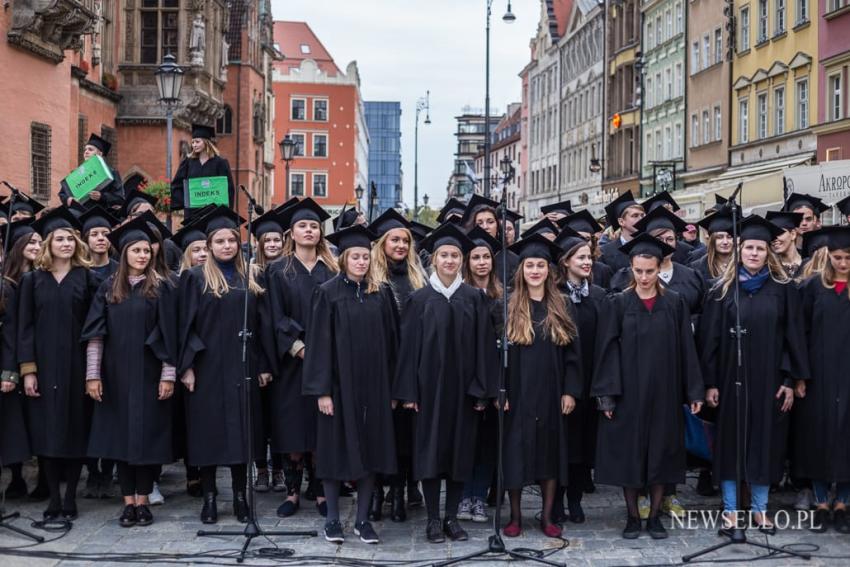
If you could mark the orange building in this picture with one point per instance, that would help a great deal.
(321, 109)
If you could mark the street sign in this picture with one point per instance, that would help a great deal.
(829, 180)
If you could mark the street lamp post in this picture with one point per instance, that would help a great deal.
(421, 104)
(508, 18)
(358, 192)
(287, 153)
(373, 201)
(169, 81)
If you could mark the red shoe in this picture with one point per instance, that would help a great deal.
(513, 529)
(551, 530)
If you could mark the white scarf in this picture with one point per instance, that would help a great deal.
(447, 292)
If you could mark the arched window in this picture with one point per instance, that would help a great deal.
(224, 124)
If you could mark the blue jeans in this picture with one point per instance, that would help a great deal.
(476, 487)
(758, 496)
(821, 490)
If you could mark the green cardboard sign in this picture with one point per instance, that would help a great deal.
(92, 175)
(205, 191)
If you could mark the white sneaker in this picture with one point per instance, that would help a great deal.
(464, 510)
(478, 513)
(805, 500)
(155, 497)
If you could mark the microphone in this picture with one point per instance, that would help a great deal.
(260, 210)
(734, 196)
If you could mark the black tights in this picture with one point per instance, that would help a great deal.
(365, 487)
(54, 469)
(136, 480)
(238, 478)
(548, 488)
(656, 495)
(431, 492)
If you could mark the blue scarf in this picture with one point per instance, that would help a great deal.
(228, 269)
(752, 283)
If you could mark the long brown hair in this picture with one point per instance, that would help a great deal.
(80, 259)
(379, 266)
(715, 269)
(214, 280)
(564, 263)
(558, 325)
(494, 287)
(209, 147)
(16, 265)
(121, 289)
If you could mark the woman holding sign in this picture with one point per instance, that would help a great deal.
(203, 162)
(111, 196)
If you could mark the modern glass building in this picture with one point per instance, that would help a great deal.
(384, 122)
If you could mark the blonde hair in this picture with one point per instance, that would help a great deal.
(371, 285)
(186, 259)
(214, 280)
(80, 259)
(712, 260)
(827, 275)
(209, 148)
(323, 252)
(816, 264)
(379, 265)
(774, 267)
(558, 325)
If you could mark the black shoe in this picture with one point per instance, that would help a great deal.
(399, 514)
(52, 513)
(194, 488)
(414, 497)
(589, 487)
(16, 489)
(434, 531)
(322, 507)
(377, 505)
(143, 515)
(704, 485)
(821, 520)
(632, 529)
(452, 528)
(312, 490)
(333, 532)
(128, 517)
(839, 521)
(558, 514)
(40, 492)
(240, 507)
(366, 532)
(576, 512)
(209, 512)
(288, 508)
(655, 528)
(69, 511)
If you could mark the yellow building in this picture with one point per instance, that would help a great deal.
(774, 82)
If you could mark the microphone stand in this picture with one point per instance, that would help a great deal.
(252, 528)
(5, 518)
(495, 543)
(738, 535)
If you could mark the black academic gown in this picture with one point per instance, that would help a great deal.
(445, 365)
(602, 274)
(612, 257)
(131, 424)
(644, 442)
(209, 329)
(191, 168)
(512, 265)
(820, 441)
(685, 281)
(101, 273)
(50, 320)
(111, 196)
(536, 441)
(14, 442)
(290, 292)
(356, 369)
(700, 266)
(683, 251)
(774, 352)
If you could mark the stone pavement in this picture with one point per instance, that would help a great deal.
(596, 542)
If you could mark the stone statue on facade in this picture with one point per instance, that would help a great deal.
(197, 44)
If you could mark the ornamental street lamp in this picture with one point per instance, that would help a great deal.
(287, 153)
(169, 82)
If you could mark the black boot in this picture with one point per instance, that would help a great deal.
(240, 507)
(292, 478)
(704, 484)
(399, 514)
(209, 513)
(376, 507)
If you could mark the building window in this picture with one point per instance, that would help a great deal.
(679, 89)
(649, 91)
(836, 4)
(695, 57)
(706, 51)
(835, 107)
(649, 156)
(802, 11)
(82, 136)
(779, 17)
(706, 127)
(299, 140)
(678, 18)
(320, 110)
(668, 79)
(761, 115)
(668, 146)
(679, 139)
(743, 121)
(762, 36)
(779, 111)
(649, 35)
(305, 49)
(224, 123)
(669, 16)
(802, 103)
(718, 46)
(744, 44)
(320, 184)
(298, 109)
(659, 30)
(40, 160)
(659, 145)
(718, 124)
(833, 154)
(159, 29)
(320, 145)
(694, 130)
(659, 89)
(296, 184)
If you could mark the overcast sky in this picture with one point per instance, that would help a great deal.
(405, 47)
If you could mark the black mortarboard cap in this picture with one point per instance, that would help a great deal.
(447, 234)
(755, 227)
(451, 208)
(4, 210)
(203, 132)
(305, 209)
(268, 222)
(352, 237)
(720, 221)
(222, 217)
(477, 203)
(419, 230)
(564, 207)
(346, 218)
(659, 200)
(814, 240)
(96, 217)
(17, 230)
(134, 198)
(536, 246)
(133, 231)
(541, 226)
(188, 234)
(581, 221)
(614, 209)
(24, 203)
(797, 200)
(286, 205)
(661, 218)
(388, 220)
(646, 244)
(569, 239)
(838, 237)
(99, 143)
(60, 217)
(156, 225)
(844, 205)
(482, 238)
(785, 220)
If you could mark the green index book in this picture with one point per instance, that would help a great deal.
(205, 191)
(92, 175)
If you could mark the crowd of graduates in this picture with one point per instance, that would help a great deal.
(374, 355)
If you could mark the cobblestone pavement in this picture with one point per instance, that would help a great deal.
(596, 542)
